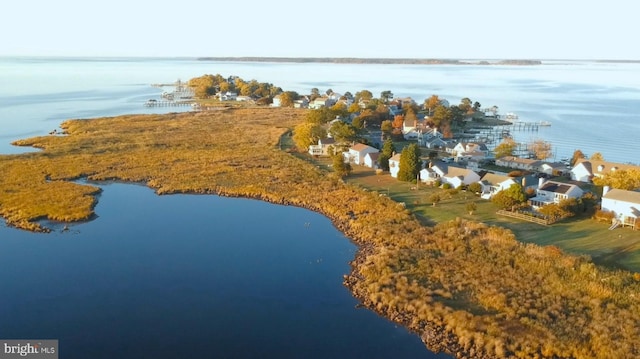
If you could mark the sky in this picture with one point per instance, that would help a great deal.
(455, 29)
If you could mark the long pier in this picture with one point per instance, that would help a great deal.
(154, 103)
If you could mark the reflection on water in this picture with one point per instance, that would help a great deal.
(183, 275)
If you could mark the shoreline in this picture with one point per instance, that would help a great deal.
(237, 153)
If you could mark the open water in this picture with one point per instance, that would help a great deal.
(201, 276)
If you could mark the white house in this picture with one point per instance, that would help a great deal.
(584, 170)
(357, 153)
(493, 183)
(526, 164)
(624, 204)
(371, 159)
(394, 165)
(228, 96)
(553, 168)
(457, 176)
(319, 103)
(323, 147)
(549, 192)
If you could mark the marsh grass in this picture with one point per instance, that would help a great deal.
(487, 294)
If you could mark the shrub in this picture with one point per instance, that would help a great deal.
(446, 186)
(603, 216)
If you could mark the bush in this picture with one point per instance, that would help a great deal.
(475, 188)
(603, 216)
(446, 186)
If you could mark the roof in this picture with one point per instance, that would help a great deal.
(595, 166)
(556, 187)
(623, 195)
(361, 146)
(492, 178)
(373, 155)
(514, 159)
(457, 171)
(395, 157)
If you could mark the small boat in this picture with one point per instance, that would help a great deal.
(510, 116)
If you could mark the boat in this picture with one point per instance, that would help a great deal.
(544, 123)
(510, 117)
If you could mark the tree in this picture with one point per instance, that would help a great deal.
(410, 163)
(441, 115)
(287, 98)
(385, 96)
(386, 127)
(505, 148)
(388, 149)
(434, 198)
(475, 187)
(306, 134)
(315, 91)
(343, 132)
(431, 103)
(577, 155)
(510, 197)
(364, 95)
(540, 149)
(476, 106)
(597, 156)
(628, 180)
(340, 167)
(471, 207)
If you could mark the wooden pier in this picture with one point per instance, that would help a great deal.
(155, 103)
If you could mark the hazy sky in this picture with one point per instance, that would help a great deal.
(489, 29)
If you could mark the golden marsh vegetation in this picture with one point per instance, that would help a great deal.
(463, 286)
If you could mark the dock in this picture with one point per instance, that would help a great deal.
(156, 103)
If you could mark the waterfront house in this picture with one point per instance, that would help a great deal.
(585, 170)
(553, 168)
(357, 152)
(394, 165)
(625, 205)
(549, 192)
(228, 96)
(518, 163)
(319, 103)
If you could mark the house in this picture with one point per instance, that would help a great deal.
(584, 170)
(323, 148)
(518, 163)
(394, 165)
(458, 177)
(301, 103)
(357, 152)
(625, 205)
(553, 168)
(549, 192)
(228, 96)
(428, 175)
(371, 159)
(462, 148)
(319, 103)
(493, 183)
(431, 138)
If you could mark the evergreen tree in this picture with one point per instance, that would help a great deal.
(341, 167)
(385, 154)
(410, 163)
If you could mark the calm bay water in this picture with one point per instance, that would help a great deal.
(185, 276)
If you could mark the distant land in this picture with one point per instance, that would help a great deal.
(356, 60)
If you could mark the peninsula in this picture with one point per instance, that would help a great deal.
(464, 287)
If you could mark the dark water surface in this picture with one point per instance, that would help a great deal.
(189, 276)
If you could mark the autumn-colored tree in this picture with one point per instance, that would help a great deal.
(306, 134)
(343, 132)
(471, 207)
(628, 179)
(410, 163)
(398, 121)
(431, 103)
(505, 148)
(441, 115)
(340, 167)
(577, 155)
(386, 127)
(540, 149)
(435, 198)
(597, 156)
(364, 95)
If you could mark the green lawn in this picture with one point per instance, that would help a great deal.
(619, 248)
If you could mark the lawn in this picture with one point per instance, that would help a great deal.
(619, 248)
